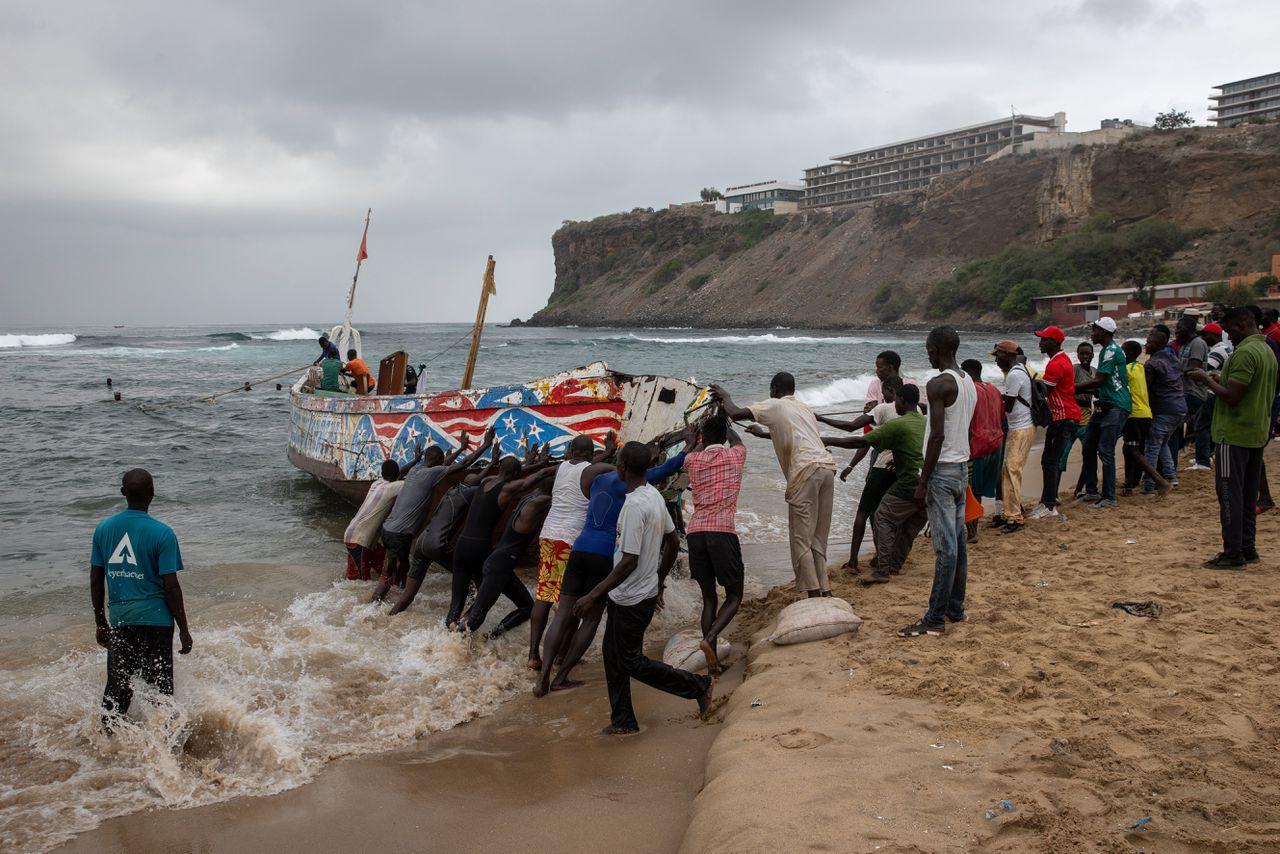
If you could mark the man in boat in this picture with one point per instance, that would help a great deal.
(632, 592)
(495, 496)
(561, 527)
(715, 556)
(809, 468)
(590, 562)
(135, 559)
(358, 370)
(414, 502)
(328, 350)
(365, 554)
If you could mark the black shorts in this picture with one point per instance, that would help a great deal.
(716, 555)
(397, 544)
(878, 483)
(583, 572)
(424, 554)
(1135, 431)
(141, 651)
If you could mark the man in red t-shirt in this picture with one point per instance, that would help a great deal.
(715, 478)
(1059, 375)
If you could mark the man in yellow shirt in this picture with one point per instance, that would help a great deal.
(1138, 426)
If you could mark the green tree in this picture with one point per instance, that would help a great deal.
(1173, 119)
(1143, 272)
(1264, 285)
(1229, 295)
(711, 194)
(1021, 299)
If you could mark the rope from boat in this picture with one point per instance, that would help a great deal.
(213, 398)
(461, 338)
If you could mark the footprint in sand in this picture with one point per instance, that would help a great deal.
(801, 739)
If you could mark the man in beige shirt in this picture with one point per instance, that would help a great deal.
(808, 467)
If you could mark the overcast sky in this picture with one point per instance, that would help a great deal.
(211, 162)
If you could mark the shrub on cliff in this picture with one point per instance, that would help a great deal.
(756, 225)
(1089, 258)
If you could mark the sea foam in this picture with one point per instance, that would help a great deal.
(51, 339)
(300, 334)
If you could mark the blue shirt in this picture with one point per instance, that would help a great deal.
(608, 492)
(330, 351)
(136, 550)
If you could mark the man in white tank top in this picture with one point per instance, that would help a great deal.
(561, 527)
(943, 479)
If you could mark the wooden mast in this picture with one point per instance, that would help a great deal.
(488, 288)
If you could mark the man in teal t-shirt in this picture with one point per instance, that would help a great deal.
(1241, 429)
(134, 563)
(1112, 405)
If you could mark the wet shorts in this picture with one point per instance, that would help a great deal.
(584, 571)
(1135, 431)
(878, 483)
(715, 554)
(398, 546)
(426, 553)
(553, 557)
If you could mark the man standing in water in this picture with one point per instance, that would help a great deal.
(952, 399)
(715, 477)
(808, 467)
(561, 527)
(135, 561)
(647, 547)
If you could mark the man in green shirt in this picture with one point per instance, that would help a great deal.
(330, 369)
(899, 518)
(1241, 429)
(1111, 408)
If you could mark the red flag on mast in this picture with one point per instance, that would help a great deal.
(364, 249)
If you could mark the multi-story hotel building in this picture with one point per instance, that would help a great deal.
(1257, 97)
(907, 165)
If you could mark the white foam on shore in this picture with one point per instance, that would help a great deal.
(301, 334)
(50, 339)
(766, 338)
(262, 704)
(232, 346)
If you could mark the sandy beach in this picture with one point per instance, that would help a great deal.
(1083, 718)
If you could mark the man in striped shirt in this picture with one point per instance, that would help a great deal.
(715, 477)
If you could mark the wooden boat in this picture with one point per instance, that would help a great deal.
(343, 439)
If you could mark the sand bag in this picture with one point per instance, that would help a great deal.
(682, 651)
(815, 619)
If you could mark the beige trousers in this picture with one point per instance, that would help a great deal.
(809, 518)
(1017, 446)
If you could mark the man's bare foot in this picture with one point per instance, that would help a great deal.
(613, 730)
(540, 688)
(704, 702)
(566, 684)
(713, 661)
(850, 568)
(1162, 487)
(534, 664)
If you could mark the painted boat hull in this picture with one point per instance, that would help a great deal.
(343, 440)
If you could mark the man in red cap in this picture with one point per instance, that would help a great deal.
(1059, 375)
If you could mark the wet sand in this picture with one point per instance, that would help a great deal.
(536, 775)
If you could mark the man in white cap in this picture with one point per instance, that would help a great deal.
(1111, 408)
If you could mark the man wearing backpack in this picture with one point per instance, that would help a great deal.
(986, 438)
(1017, 394)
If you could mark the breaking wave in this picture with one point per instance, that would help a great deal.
(767, 338)
(301, 334)
(51, 339)
(232, 346)
(843, 390)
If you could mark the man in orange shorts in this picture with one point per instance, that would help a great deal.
(563, 524)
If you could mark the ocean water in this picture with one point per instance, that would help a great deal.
(291, 669)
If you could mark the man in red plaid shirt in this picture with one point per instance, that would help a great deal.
(715, 478)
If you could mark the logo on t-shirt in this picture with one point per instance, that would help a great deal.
(124, 552)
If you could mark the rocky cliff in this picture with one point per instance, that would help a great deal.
(876, 263)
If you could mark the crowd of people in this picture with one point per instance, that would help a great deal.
(606, 539)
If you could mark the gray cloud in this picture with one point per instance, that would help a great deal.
(212, 161)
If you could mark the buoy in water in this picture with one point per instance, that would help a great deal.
(117, 395)
(279, 387)
(108, 382)
(248, 387)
